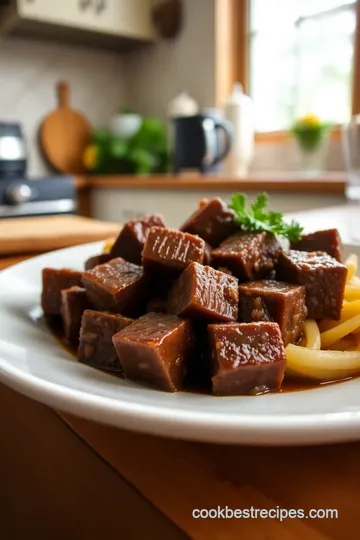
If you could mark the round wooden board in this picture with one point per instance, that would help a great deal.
(64, 135)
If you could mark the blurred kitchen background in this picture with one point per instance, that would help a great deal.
(118, 108)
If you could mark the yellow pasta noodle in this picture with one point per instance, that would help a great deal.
(352, 290)
(351, 264)
(349, 309)
(341, 330)
(322, 365)
(312, 335)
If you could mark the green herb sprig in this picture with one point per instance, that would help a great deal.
(258, 218)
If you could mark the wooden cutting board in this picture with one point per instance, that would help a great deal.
(39, 234)
(64, 135)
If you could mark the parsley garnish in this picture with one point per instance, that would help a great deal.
(259, 218)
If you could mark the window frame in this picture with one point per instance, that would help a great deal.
(232, 42)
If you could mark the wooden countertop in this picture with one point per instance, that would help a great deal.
(39, 234)
(331, 182)
(114, 484)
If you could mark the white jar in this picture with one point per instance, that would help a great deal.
(239, 111)
(182, 105)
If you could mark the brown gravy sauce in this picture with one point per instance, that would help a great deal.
(289, 385)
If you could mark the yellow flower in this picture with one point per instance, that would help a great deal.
(90, 157)
(108, 245)
(310, 120)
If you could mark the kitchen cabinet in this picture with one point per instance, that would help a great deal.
(101, 21)
(125, 18)
(71, 13)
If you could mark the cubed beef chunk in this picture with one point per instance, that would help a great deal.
(102, 258)
(117, 286)
(169, 252)
(249, 255)
(248, 358)
(96, 348)
(328, 241)
(131, 240)
(213, 221)
(53, 282)
(74, 301)
(155, 349)
(284, 303)
(157, 305)
(202, 292)
(323, 277)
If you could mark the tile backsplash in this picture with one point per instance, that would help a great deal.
(157, 74)
(29, 71)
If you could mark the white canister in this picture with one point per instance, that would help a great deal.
(239, 111)
(182, 105)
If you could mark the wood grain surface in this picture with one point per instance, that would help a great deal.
(53, 486)
(64, 135)
(5, 261)
(39, 234)
(178, 477)
(286, 182)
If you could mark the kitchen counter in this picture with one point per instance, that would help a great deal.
(35, 235)
(120, 198)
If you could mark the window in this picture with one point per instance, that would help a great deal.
(300, 60)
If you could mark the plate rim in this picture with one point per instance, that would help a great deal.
(275, 430)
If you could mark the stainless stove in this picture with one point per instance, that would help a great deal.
(46, 196)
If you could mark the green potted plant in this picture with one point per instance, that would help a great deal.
(311, 135)
(144, 152)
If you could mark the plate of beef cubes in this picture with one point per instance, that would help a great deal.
(236, 327)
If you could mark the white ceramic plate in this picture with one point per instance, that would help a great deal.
(33, 363)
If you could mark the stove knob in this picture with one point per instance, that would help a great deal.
(18, 193)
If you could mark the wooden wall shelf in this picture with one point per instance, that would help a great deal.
(331, 182)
